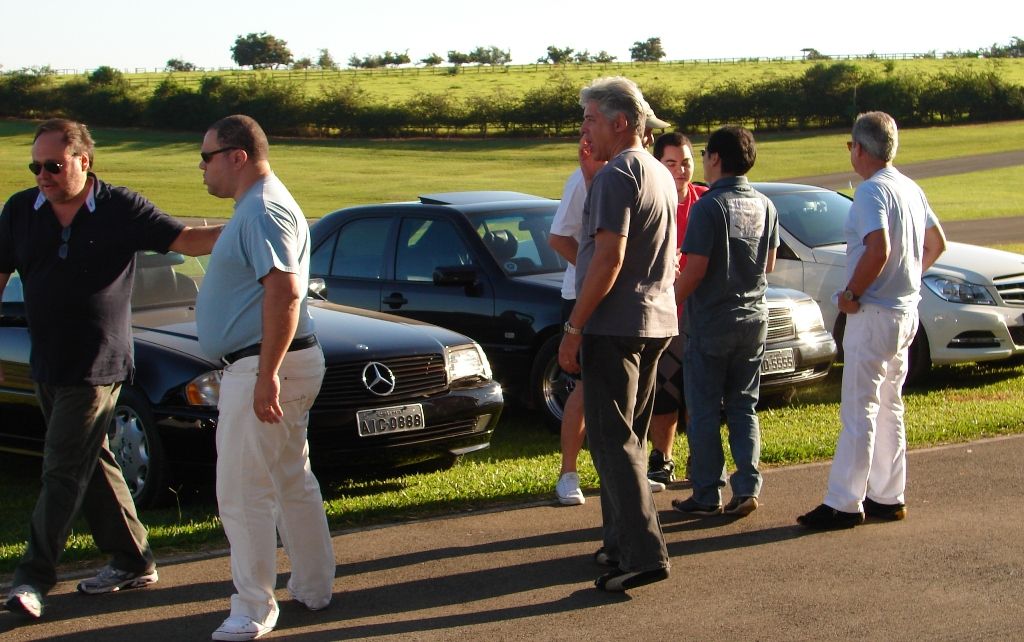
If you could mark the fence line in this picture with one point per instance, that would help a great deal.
(194, 77)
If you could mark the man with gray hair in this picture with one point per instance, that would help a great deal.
(623, 319)
(892, 236)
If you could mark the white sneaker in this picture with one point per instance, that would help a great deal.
(240, 627)
(25, 600)
(568, 490)
(656, 486)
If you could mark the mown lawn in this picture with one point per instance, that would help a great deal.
(325, 175)
(397, 85)
(956, 404)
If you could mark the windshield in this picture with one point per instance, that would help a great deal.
(160, 280)
(815, 218)
(166, 279)
(518, 240)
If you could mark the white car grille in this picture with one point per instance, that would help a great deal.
(780, 322)
(1011, 289)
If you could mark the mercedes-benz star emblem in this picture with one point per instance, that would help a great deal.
(378, 379)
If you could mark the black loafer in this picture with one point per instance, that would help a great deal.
(826, 518)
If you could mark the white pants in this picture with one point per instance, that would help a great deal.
(871, 456)
(264, 485)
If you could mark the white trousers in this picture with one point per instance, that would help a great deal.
(871, 456)
(265, 485)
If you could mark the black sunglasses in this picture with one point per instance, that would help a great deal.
(51, 167)
(208, 156)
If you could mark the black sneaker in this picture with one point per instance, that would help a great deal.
(618, 581)
(660, 468)
(691, 506)
(890, 512)
(603, 558)
(826, 518)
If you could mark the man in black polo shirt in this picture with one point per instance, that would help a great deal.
(73, 240)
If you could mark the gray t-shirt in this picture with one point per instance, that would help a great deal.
(733, 225)
(633, 196)
(267, 230)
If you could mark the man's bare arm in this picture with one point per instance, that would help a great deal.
(934, 246)
(566, 246)
(196, 241)
(281, 304)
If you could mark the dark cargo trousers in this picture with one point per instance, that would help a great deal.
(80, 472)
(618, 400)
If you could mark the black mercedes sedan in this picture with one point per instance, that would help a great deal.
(397, 392)
(479, 263)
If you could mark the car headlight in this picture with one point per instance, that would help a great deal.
(467, 361)
(807, 317)
(958, 291)
(204, 390)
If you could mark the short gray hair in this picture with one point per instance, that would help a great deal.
(617, 95)
(875, 131)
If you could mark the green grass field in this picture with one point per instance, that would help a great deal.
(680, 77)
(325, 175)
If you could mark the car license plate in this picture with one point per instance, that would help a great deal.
(393, 419)
(776, 361)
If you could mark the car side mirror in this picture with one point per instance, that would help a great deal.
(455, 275)
(318, 289)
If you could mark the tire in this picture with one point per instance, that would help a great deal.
(137, 447)
(919, 357)
(549, 386)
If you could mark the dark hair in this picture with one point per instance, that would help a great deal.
(243, 132)
(671, 139)
(75, 135)
(735, 147)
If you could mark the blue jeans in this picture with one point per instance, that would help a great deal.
(724, 371)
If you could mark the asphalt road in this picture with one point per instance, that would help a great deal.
(979, 232)
(953, 570)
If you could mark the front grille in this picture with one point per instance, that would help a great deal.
(1011, 289)
(780, 323)
(415, 377)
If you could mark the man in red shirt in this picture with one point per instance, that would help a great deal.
(675, 151)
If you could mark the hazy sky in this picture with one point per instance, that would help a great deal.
(130, 34)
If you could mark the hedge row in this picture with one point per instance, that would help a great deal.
(827, 95)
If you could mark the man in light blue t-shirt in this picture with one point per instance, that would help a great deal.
(892, 236)
(251, 314)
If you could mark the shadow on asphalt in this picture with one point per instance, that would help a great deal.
(413, 596)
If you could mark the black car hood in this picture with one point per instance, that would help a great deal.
(345, 333)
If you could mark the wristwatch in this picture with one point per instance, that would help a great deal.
(849, 295)
(569, 328)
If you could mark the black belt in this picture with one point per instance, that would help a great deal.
(253, 350)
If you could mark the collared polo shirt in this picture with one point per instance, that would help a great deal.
(79, 306)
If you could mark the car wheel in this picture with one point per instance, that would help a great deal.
(137, 448)
(919, 357)
(549, 385)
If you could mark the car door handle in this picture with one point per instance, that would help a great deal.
(395, 300)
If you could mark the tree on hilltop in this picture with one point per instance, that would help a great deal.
(260, 51)
(557, 56)
(326, 61)
(649, 50)
(432, 60)
(177, 64)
